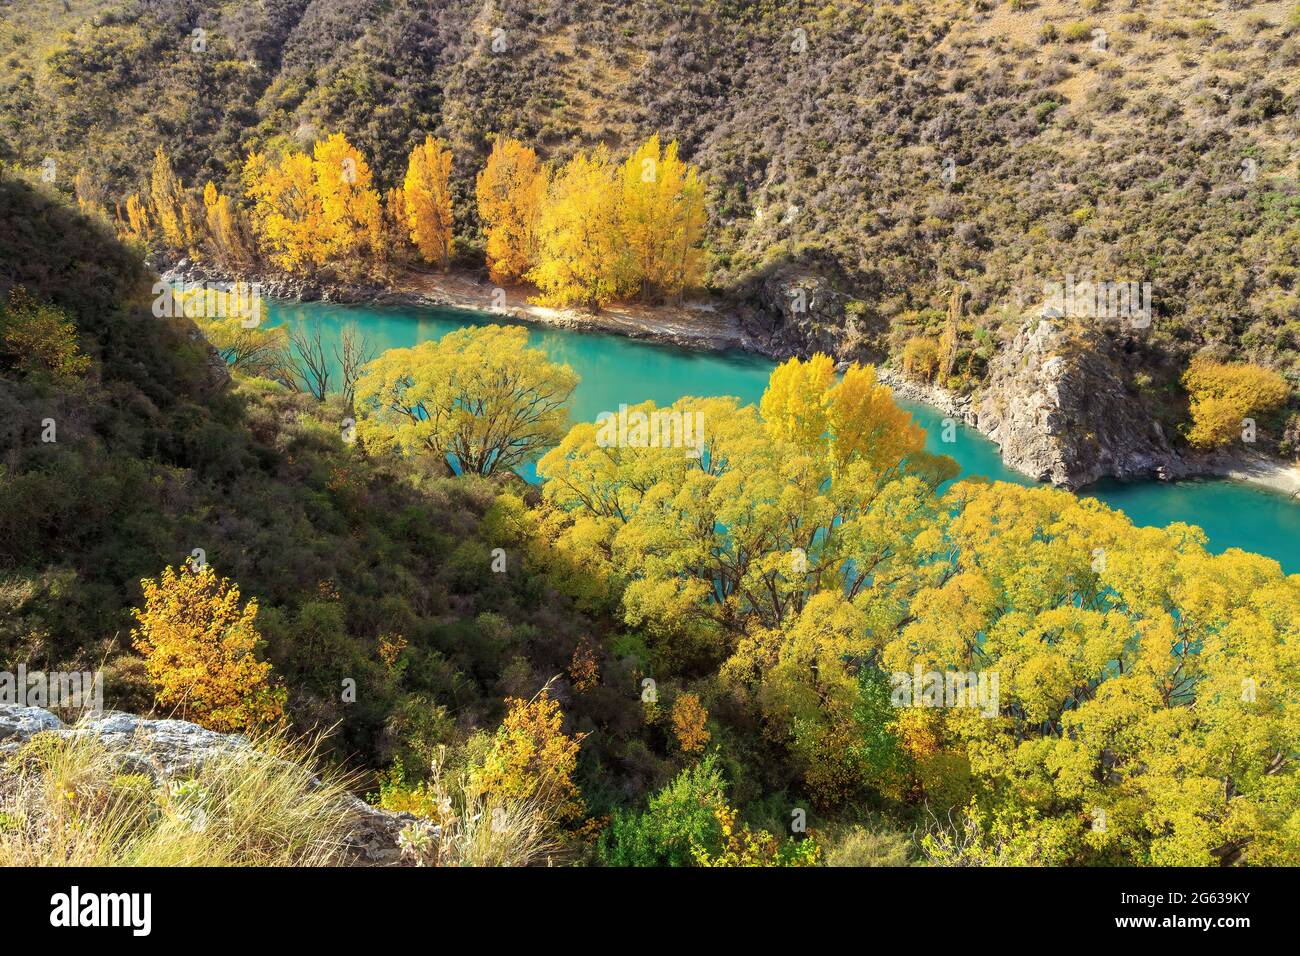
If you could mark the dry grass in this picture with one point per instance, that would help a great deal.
(69, 803)
(1145, 39)
(466, 827)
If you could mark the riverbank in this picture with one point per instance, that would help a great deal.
(1280, 476)
(704, 325)
(1253, 468)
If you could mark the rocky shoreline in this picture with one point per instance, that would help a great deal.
(1070, 423)
(1064, 424)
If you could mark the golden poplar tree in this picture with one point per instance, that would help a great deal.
(662, 216)
(227, 232)
(427, 199)
(951, 336)
(316, 210)
(133, 221)
(396, 232)
(170, 205)
(288, 216)
(349, 204)
(511, 190)
(582, 258)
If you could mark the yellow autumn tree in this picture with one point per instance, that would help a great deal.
(532, 759)
(316, 210)
(855, 419)
(228, 238)
(581, 256)
(199, 648)
(134, 224)
(689, 718)
(288, 216)
(798, 528)
(396, 231)
(170, 205)
(477, 400)
(865, 425)
(661, 219)
(511, 190)
(350, 206)
(1126, 675)
(427, 200)
(1222, 395)
(740, 529)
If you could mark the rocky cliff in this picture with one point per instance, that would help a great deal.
(1059, 404)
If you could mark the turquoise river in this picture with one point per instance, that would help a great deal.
(616, 370)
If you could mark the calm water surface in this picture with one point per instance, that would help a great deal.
(618, 370)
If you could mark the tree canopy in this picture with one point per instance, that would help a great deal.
(477, 400)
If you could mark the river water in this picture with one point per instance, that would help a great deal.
(617, 370)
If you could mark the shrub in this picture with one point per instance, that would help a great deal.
(1077, 32)
(1222, 395)
(532, 759)
(198, 646)
(921, 358)
(678, 818)
(40, 338)
(689, 717)
(1134, 22)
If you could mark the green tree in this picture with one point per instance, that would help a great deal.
(477, 400)
(677, 818)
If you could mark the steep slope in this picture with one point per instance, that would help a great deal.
(154, 454)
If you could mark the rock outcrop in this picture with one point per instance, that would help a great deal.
(800, 309)
(275, 285)
(176, 749)
(1058, 404)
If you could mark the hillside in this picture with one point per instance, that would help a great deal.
(876, 156)
(156, 453)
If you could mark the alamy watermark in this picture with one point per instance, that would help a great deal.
(130, 910)
(71, 690)
(1099, 300)
(974, 689)
(209, 300)
(660, 428)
